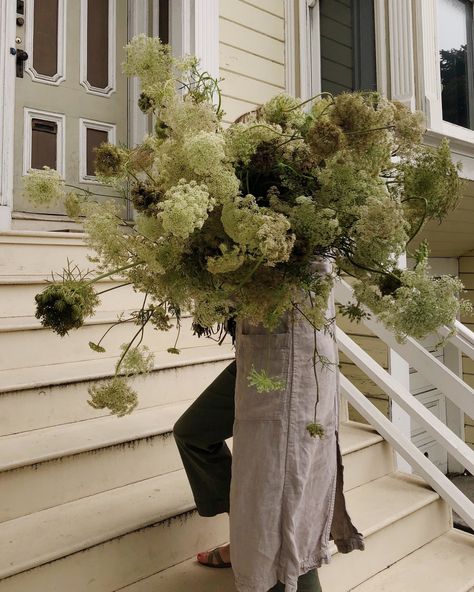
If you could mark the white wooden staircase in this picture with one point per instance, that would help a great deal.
(94, 503)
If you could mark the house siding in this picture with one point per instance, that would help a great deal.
(252, 54)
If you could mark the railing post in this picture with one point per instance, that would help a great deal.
(399, 368)
(454, 416)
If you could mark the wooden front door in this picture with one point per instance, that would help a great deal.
(71, 95)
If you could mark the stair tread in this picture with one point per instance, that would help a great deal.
(64, 373)
(89, 521)
(45, 444)
(445, 563)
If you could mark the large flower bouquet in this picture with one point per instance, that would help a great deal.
(230, 219)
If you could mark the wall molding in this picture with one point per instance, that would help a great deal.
(402, 66)
(7, 109)
(60, 75)
(309, 48)
(84, 125)
(205, 21)
(60, 120)
(290, 47)
(112, 51)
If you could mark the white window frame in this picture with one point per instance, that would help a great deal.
(310, 48)
(84, 125)
(429, 76)
(112, 86)
(60, 120)
(60, 75)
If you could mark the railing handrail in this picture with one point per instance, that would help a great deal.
(463, 339)
(434, 426)
(405, 447)
(460, 393)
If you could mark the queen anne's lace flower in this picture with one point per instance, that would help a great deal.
(185, 209)
(44, 186)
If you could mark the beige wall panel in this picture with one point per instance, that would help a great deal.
(235, 108)
(466, 264)
(253, 18)
(254, 42)
(275, 7)
(245, 63)
(247, 89)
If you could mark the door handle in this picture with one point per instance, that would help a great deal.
(21, 57)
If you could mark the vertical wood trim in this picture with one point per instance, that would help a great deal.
(402, 69)
(138, 22)
(309, 48)
(206, 35)
(381, 41)
(290, 47)
(7, 109)
(428, 68)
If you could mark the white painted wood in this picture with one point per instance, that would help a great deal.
(447, 382)
(290, 17)
(454, 415)
(60, 120)
(309, 49)
(60, 75)
(84, 125)
(402, 75)
(206, 35)
(112, 85)
(381, 47)
(440, 483)
(7, 109)
(406, 401)
(428, 69)
(137, 121)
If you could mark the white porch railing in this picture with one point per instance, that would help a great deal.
(451, 385)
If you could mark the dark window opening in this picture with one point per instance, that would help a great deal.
(45, 37)
(94, 139)
(164, 21)
(98, 43)
(44, 148)
(347, 29)
(456, 36)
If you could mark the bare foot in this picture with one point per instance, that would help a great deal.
(224, 552)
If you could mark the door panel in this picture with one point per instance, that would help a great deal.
(71, 96)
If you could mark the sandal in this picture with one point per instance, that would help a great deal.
(214, 559)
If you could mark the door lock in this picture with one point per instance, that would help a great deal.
(21, 57)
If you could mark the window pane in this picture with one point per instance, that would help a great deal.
(347, 45)
(94, 139)
(454, 46)
(43, 143)
(98, 43)
(45, 37)
(163, 18)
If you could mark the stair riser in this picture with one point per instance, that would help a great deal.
(24, 256)
(31, 409)
(38, 347)
(85, 474)
(18, 300)
(104, 469)
(386, 546)
(124, 560)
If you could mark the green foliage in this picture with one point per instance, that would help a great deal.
(264, 383)
(230, 221)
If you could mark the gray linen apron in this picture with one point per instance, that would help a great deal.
(286, 494)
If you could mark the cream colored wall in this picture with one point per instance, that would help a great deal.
(252, 53)
(466, 273)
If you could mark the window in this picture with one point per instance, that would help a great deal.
(92, 135)
(347, 34)
(45, 37)
(455, 39)
(43, 141)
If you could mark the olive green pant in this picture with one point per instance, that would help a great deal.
(200, 435)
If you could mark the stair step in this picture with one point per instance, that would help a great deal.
(43, 396)
(35, 255)
(123, 533)
(46, 347)
(444, 564)
(84, 456)
(18, 297)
